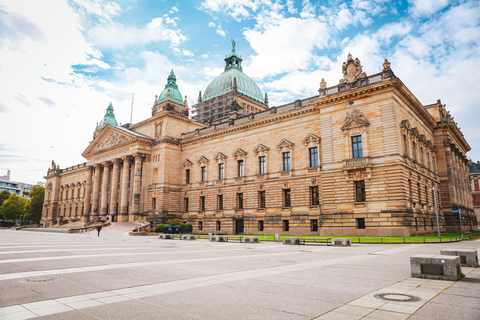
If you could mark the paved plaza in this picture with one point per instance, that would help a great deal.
(47, 275)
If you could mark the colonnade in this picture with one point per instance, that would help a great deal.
(114, 187)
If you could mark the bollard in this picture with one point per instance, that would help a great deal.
(358, 240)
(450, 238)
(381, 240)
(403, 239)
(423, 239)
(455, 238)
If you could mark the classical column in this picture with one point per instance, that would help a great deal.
(114, 191)
(125, 178)
(104, 195)
(86, 197)
(96, 190)
(136, 182)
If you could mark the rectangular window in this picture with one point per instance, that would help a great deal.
(314, 201)
(185, 200)
(262, 164)
(187, 176)
(240, 168)
(419, 190)
(405, 145)
(476, 185)
(410, 196)
(240, 200)
(426, 195)
(286, 198)
(202, 203)
(200, 225)
(220, 171)
(261, 195)
(220, 202)
(313, 157)
(286, 225)
(218, 225)
(360, 223)
(204, 174)
(260, 225)
(357, 147)
(286, 161)
(414, 151)
(360, 191)
(154, 203)
(314, 225)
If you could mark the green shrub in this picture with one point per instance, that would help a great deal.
(174, 222)
(186, 228)
(159, 227)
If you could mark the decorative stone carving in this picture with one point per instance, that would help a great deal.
(354, 119)
(311, 138)
(352, 70)
(260, 148)
(323, 84)
(112, 139)
(186, 163)
(220, 157)
(284, 143)
(158, 129)
(202, 160)
(239, 153)
(386, 65)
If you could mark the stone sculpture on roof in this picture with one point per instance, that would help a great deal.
(352, 70)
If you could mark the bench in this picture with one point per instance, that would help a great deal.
(292, 241)
(435, 267)
(328, 241)
(169, 236)
(218, 239)
(189, 237)
(468, 257)
(251, 239)
(239, 238)
(341, 242)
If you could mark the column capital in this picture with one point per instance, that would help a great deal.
(126, 158)
(139, 156)
(117, 161)
(106, 163)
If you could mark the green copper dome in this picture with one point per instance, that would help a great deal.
(224, 83)
(171, 85)
(109, 118)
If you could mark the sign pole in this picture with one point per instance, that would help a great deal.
(436, 211)
(460, 216)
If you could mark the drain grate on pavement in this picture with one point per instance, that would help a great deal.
(397, 297)
(41, 279)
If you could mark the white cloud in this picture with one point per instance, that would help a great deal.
(427, 7)
(106, 10)
(285, 47)
(220, 31)
(291, 7)
(116, 35)
(211, 24)
(237, 9)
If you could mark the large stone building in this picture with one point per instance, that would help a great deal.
(359, 158)
(474, 174)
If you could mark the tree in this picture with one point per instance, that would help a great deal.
(13, 207)
(174, 222)
(4, 196)
(34, 208)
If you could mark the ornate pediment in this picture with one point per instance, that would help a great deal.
(284, 143)
(260, 148)
(354, 119)
(220, 157)
(311, 138)
(352, 70)
(186, 163)
(202, 160)
(112, 139)
(239, 153)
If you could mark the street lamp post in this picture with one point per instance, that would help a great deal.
(436, 211)
(21, 216)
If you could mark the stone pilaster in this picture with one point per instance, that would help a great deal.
(87, 206)
(104, 194)
(96, 190)
(125, 181)
(114, 191)
(137, 182)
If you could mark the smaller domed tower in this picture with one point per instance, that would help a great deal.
(170, 99)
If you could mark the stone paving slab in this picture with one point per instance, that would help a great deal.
(203, 280)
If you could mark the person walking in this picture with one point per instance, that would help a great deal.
(99, 228)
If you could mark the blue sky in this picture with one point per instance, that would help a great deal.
(63, 62)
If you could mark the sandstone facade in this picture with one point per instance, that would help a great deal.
(360, 159)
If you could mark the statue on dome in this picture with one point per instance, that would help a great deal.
(233, 44)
